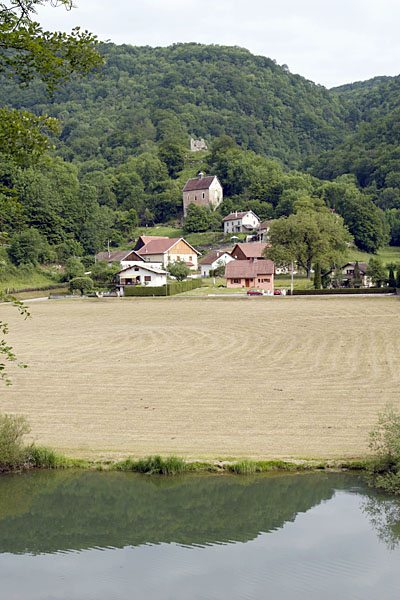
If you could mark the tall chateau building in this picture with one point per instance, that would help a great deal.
(203, 191)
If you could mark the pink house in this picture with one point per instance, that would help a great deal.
(246, 274)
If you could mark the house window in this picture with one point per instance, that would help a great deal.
(147, 277)
(203, 194)
(190, 258)
(136, 268)
(236, 281)
(195, 198)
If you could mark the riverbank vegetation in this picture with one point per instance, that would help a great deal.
(385, 440)
(384, 470)
(16, 456)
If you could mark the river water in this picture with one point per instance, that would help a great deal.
(79, 535)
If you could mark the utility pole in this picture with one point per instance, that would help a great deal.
(291, 282)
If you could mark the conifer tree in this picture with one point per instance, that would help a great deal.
(317, 276)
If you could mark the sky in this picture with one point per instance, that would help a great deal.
(330, 42)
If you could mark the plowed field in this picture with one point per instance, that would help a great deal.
(213, 378)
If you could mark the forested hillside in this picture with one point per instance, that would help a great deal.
(122, 156)
(148, 94)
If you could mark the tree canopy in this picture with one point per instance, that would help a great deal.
(307, 238)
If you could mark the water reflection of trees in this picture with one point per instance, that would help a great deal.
(51, 511)
(384, 515)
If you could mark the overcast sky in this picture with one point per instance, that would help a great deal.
(330, 42)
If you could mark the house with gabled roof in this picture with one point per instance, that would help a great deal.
(239, 221)
(249, 251)
(203, 191)
(245, 274)
(348, 275)
(168, 250)
(125, 257)
(144, 239)
(141, 274)
(262, 230)
(216, 258)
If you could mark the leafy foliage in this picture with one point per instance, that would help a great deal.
(12, 452)
(6, 352)
(308, 237)
(384, 470)
(83, 284)
(179, 270)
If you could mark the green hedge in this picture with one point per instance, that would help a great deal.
(344, 291)
(51, 286)
(176, 287)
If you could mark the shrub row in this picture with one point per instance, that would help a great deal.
(177, 287)
(52, 286)
(381, 290)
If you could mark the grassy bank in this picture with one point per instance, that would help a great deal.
(40, 457)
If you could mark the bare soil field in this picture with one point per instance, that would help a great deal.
(205, 378)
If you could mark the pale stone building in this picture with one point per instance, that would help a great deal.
(203, 191)
(196, 145)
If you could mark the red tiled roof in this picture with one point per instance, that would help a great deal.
(143, 239)
(198, 183)
(236, 215)
(158, 246)
(210, 258)
(265, 224)
(245, 269)
(251, 249)
(248, 270)
(162, 245)
(116, 256)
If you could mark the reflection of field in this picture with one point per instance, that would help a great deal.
(256, 377)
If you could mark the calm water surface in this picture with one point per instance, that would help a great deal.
(113, 536)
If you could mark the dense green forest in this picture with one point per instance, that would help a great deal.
(277, 142)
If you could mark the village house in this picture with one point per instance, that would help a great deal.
(124, 257)
(212, 261)
(203, 191)
(262, 230)
(246, 274)
(239, 221)
(169, 250)
(144, 239)
(251, 251)
(348, 275)
(141, 274)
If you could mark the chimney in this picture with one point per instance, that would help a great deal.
(108, 248)
(235, 213)
(201, 175)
